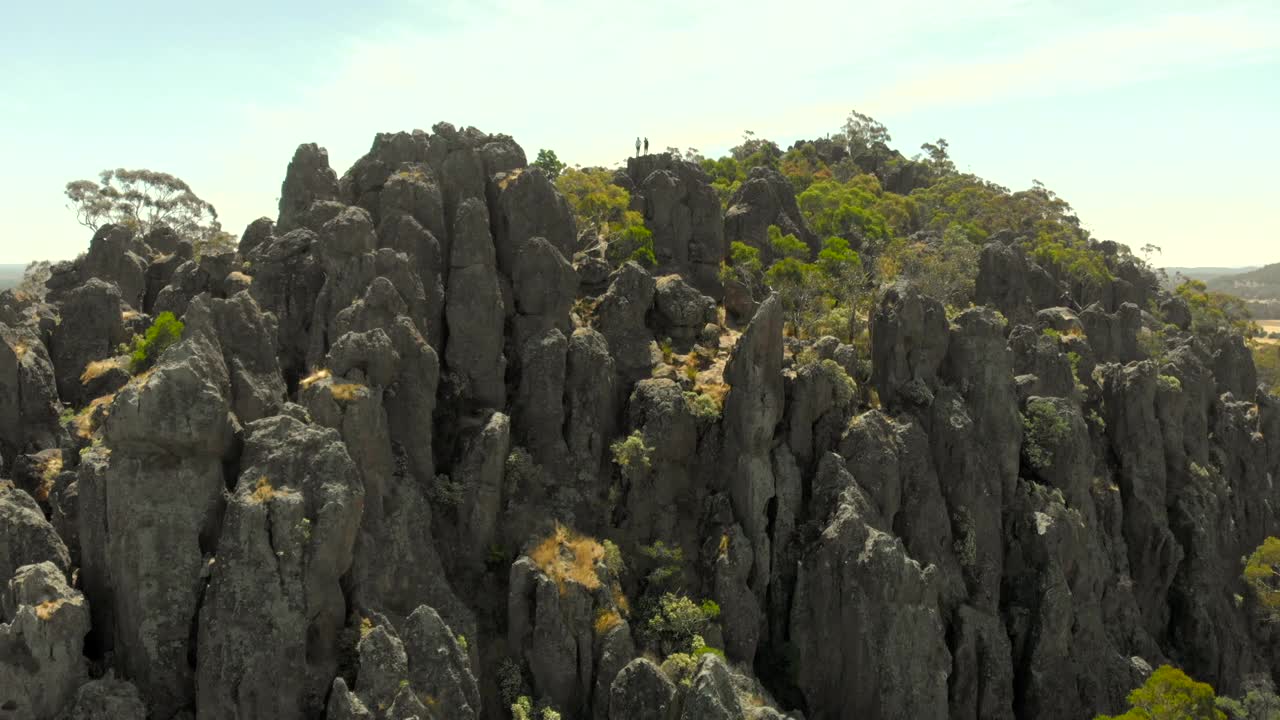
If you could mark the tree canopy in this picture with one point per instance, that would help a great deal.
(549, 163)
(1169, 694)
(143, 200)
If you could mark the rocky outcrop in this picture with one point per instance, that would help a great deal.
(752, 410)
(475, 310)
(349, 489)
(163, 497)
(681, 313)
(683, 212)
(641, 692)
(26, 538)
(866, 622)
(620, 318)
(425, 676)
(528, 206)
(308, 179)
(28, 394)
(106, 698)
(1013, 284)
(273, 609)
(91, 328)
(766, 198)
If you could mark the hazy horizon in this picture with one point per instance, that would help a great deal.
(1153, 120)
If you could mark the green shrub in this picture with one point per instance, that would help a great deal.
(679, 668)
(631, 453)
(1170, 693)
(1169, 383)
(1044, 427)
(668, 563)
(165, 331)
(677, 620)
(1262, 574)
(613, 559)
(703, 406)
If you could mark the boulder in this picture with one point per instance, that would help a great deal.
(680, 311)
(28, 393)
(26, 538)
(620, 318)
(112, 258)
(641, 692)
(909, 333)
(91, 328)
(43, 622)
(106, 698)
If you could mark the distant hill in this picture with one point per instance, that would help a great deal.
(10, 275)
(1207, 273)
(1261, 287)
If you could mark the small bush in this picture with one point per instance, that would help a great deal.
(679, 668)
(632, 453)
(668, 560)
(1044, 428)
(613, 559)
(677, 620)
(703, 406)
(1169, 383)
(164, 332)
(1262, 574)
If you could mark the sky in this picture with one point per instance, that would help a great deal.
(1155, 120)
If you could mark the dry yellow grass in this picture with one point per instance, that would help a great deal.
(345, 392)
(128, 315)
(84, 423)
(606, 620)
(314, 378)
(620, 600)
(46, 609)
(98, 368)
(238, 277)
(504, 182)
(568, 557)
(48, 475)
(263, 491)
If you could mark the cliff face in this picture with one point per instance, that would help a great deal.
(400, 464)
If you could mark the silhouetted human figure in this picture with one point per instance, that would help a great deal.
(637, 146)
(646, 146)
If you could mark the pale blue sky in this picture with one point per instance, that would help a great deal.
(1157, 120)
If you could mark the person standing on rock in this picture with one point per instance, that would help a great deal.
(646, 146)
(637, 146)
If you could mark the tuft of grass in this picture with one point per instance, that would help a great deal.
(315, 377)
(263, 491)
(47, 609)
(84, 422)
(606, 620)
(366, 627)
(568, 557)
(98, 368)
(346, 392)
(48, 475)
